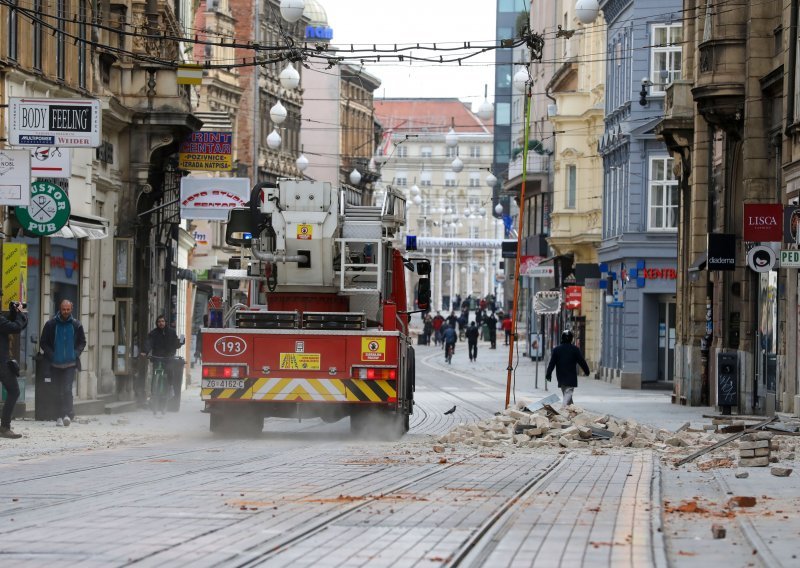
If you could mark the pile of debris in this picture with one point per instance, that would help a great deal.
(540, 426)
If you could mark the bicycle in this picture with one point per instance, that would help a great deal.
(450, 349)
(159, 385)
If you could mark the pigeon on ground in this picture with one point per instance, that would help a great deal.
(451, 411)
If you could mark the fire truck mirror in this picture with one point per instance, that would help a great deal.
(424, 293)
(423, 267)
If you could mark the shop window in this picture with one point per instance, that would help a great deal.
(122, 334)
(123, 262)
(663, 196)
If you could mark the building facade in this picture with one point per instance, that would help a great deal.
(443, 201)
(578, 89)
(730, 124)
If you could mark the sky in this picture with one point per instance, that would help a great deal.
(443, 22)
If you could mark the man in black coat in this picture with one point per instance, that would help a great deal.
(10, 324)
(564, 359)
(162, 341)
(472, 341)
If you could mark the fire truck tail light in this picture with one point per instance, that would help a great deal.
(224, 371)
(227, 372)
(371, 374)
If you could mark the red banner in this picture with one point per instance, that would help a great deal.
(763, 222)
(573, 296)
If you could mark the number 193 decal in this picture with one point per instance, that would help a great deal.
(230, 346)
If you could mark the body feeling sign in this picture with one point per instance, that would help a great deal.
(67, 123)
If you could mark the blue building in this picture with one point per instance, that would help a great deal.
(640, 194)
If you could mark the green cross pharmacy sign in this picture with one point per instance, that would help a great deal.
(48, 211)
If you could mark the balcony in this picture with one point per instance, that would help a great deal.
(539, 167)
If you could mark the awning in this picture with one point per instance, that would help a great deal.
(699, 262)
(83, 227)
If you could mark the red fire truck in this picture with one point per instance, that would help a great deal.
(315, 322)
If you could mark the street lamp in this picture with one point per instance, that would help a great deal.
(486, 110)
(301, 163)
(498, 209)
(278, 113)
(587, 10)
(491, 180)
(457, 165)
(274, 139)
(289, 77)
(520, 80)
(292, 10)
(355, 177)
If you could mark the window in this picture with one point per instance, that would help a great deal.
(82, 15)
(474, 179)
(452, 151)
(426, 152)
(663, 209)
(474, 232)
(474, 151)
(450, 179)
(38, 7)
(402, 151)
(61, 52)
(572, 183)
(401, 179)
(502, 113)
(425, 179)
(12, 30)
(665, 66)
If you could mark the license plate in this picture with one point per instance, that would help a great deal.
(223, 383)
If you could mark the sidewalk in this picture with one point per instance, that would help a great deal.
(646, 406)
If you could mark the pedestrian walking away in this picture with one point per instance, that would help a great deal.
(491, 323)
(472, 341)
(62, 341)
(11, 323)
(565, 359)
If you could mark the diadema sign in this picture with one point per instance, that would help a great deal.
(210, 199)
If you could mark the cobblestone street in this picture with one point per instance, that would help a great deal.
(133, 489)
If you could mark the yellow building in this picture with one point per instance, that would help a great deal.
(576, 221)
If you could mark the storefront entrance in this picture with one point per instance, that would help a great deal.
(666, 340)
(766, 371)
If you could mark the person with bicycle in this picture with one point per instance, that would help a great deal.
(162, 342)
(450, 336)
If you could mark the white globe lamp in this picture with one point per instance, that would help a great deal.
(417, 200)
(355, 177)
(498, 209)
(301, 162)
(274, 140)
(278, 113)
(457, 165)
(486, 110)
(587, 10)
(520, 80)
(451, 139)
(292, 10)
(491, 180)
(289, 77)
(414, 190)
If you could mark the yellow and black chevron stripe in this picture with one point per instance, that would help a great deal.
(308, 390)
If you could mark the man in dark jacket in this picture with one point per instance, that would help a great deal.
(162, 341)
(472, 341)
(63, 341)
(564, 359)
(12, 323)
(449, 338)
(491, 323)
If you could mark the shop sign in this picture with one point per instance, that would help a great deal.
(319, 32)
(51, 162)
(210, 199)
(15, 177)
(48, 210)
(721, 251)
(791, 224)
(206, 151)
(66, 123)
(539, 272)
(763, 222)
(761, 259)
(527, 263)
(790, 259)
(660, 273)
(573, 296)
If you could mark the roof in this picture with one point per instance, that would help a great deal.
(429, 116)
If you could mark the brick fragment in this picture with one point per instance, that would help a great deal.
(742, 501)
(781, 471)
(753, 462)
(754, 445)
(718, 531)
(742, 475)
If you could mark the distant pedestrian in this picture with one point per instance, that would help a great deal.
(63, 340)
(565, 359)
(10, 324)
(472, 341)
(507, 328)
(491, 323)
(450, 337)
(438, 321)
(427, 329)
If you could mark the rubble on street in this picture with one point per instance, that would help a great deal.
(575, 428)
